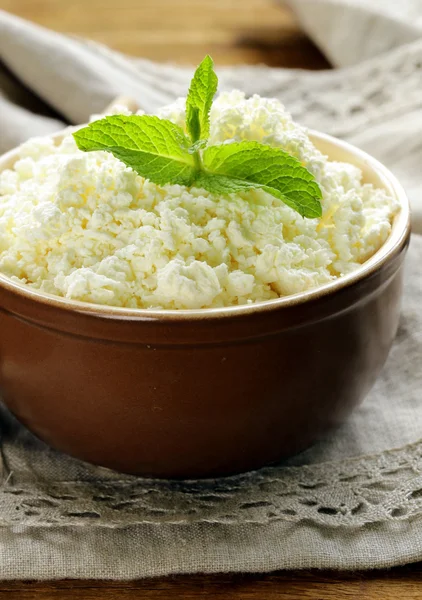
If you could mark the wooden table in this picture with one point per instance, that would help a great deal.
(232, 31)
(398, 584)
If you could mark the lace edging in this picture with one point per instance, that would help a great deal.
(350, 493)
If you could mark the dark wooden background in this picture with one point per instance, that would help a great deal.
(183, 31)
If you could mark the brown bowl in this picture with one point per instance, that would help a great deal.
(200, 393)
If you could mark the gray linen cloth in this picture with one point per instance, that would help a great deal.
(352, 501)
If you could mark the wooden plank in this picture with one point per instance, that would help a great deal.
(182, 31)
(397, 584)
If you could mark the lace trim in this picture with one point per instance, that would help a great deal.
(351, 493)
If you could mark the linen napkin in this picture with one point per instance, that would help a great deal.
(352, 501)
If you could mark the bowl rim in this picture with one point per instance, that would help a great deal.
(396, 240)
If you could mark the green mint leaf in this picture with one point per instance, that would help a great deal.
(276, 171)
(193, 125)
(220, 184)
(155, 148)
(199, 100)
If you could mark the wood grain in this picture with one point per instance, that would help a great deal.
(398, 584)
(232, 31)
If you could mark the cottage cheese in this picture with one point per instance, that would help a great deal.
(84, 226)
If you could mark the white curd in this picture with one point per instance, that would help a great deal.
(85, 226)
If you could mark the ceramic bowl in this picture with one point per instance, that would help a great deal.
(202, 393)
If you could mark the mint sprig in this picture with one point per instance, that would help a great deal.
(160, 151)
(201, 93)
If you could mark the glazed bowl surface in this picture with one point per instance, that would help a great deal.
(203, 393)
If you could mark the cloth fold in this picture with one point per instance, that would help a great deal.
(351, 31)
(352, 501)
